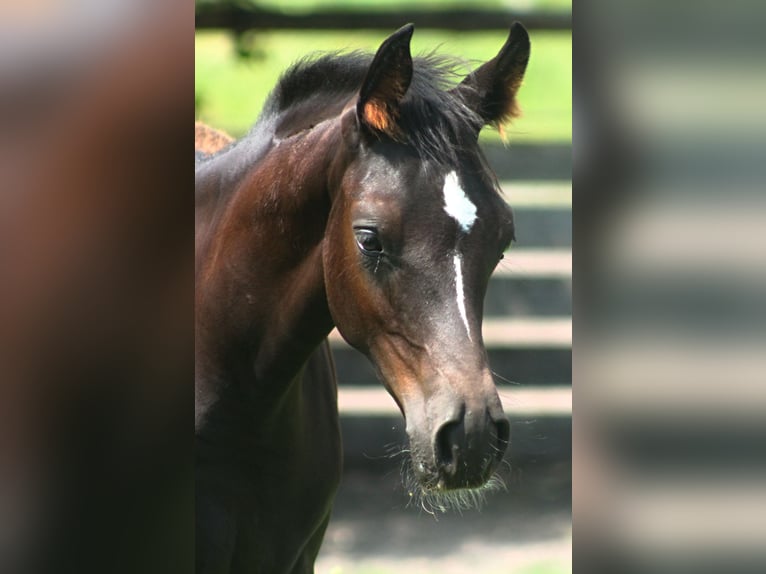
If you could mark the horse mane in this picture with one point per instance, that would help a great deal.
(434, 122)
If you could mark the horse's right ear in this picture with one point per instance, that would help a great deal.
(387, 80)
(490, 90)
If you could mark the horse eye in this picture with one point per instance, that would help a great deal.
(368, 242)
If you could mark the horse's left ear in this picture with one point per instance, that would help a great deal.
(387, 80)
(490, 90)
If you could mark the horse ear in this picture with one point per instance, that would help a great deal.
(387, 80)
(490, 90)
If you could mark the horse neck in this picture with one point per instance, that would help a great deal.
(261, 303)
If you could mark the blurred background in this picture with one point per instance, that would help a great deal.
(670, 269)
(241, 49)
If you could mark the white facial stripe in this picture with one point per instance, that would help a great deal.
(457, 204)
(460, 294)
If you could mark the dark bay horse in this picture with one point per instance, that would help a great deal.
(360, 199)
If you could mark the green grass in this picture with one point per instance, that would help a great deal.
(230, 90)
(308, 5)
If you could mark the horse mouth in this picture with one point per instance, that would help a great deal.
(454, 464)
(451, 477)
(435, 491)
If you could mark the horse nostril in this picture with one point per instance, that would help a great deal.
(503, 429)
(466, 450)
(448, 437)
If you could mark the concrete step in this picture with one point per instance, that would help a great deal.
(531, 282)
(525, 161)
(374, 429)
(379, 442)
(528, 298)
(542, 210)
(542, 227)
(517, 333)
(540, 194)
(547, 366)
(535, 263)
(518, 400)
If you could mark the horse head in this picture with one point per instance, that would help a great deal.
(416, 228)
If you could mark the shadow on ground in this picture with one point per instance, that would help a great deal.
(524, 530)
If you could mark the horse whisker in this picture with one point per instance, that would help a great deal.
(502, 378)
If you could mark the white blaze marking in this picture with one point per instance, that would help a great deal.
(460, 294)
(461, 209)
(457, 204)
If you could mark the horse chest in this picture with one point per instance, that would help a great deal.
(264, 491)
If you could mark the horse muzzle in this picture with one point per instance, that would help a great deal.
(467, 450)
(463, 449)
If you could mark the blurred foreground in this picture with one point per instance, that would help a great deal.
(96, 287)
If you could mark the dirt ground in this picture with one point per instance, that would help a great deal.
(526, 530)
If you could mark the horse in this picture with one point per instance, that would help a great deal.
(360, 200)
